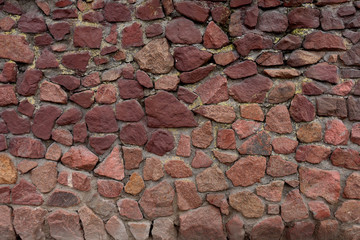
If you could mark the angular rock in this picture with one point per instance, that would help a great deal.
(241, 70)
(153, 169)
(348, 158)
(303, 17)
(79, 157)
(258, 144)
(112, 166)
(300, 58)
(273, 21)
(116, 12)
(270, 59)
(225, 157)
(282, 72)
(211, 180)
(355, 134)
(59, 30)
(16, 48)
(331, 106)
(28, 222)
(70, 116)
(109, 188)
(351, 56)
(101, 144)
(157, 201)
(252, 111)
(197, 74)
(319, 209)
(184, 146)
(6, 227)
(7, 96)
(278, 167)
(284, 145)
(294, 208)
(44, 121)
(130, 89)
(154, 30)
(336, 133)
(183, 31)
(25, 166)
(320, 183)
(81, 181)
(106, 94)
(195, 224)
(116, 228)
(155, 57)
(93, 225)
(252, 41)
(140, 230)
(235, 228)
(323, 72)
(24, 193)
(163, 228)
(214, 37)
(68, 81)
(278, 120)
(160, 142)
(167, 83)
(187, 195)
(26, 147)
(80, 132)
(76, 61)
(64, 199)
(352, 189)
(133, 157)
(250, 205)
(301, 109)
(328, 230)
(219, 200)
(51, 92)
(16, 125)
(101, 119)
(202, 137)
(348, 212)
(130, 209)
(218, 113)
(323, 41)
(226, 139)
(27, 84)
(213, 90)
(289, 42)
(46, 60)
(64, 225)
(329, 21)
(8, 173)
(150, 10)
(45, 177)
(177, 169)
(312, 153)
(270, 228)
(190, 58)
(225, 58)
(272, 191)
(193, 10)
(282, 92)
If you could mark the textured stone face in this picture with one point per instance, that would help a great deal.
(16, 48)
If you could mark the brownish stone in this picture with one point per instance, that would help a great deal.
(336, 132)
(278, 167)
(26, 147)
(213, 90)
(258, 144)
(278, 120)
(211, 180)
(187, 195)
(190, 58)
(64, 225)
(250, 205)
(348, 212)
(284, 145)
(79, 157)
(218, 113)
(45, 177)
(272, 191)
(24, 193)
(312, 153)
(135, 184)
(311, 132)
(130, 209)
(352, 189)
(202, 136)
(241, 69)
(300, 58)
(282, 92)
(193, 10)
(16, 48)
(153, 169)
(183, 31)
(323, 41)
(28, 222)
(177, 169)
(294, 208)
(348, 158)
(26, 165)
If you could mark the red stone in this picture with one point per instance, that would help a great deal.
(235, 26)
(247, 171)
(43, 40)
(211, 179)
(301, 109)
(134, 134)
(161, 142)
(252, 89)
(70, 116)
(355, 134)
(30, 23)
(328, 2)
(164, 110)
(24, 193)
(130, 89)
(28, 222)
(328, 230)
(278, 120)
(64, 13)
(331, 106)
(202, 136)
(144, 79)
(187, 195)
(7, 23)
(117, 12)
(348, 158)
(109, 188)
(130, 209)
(319, 209)
(106, 94)
(269, 228)
(323, 41)
(282, 92)
(201, 160)
(62, 136)
(185, 95)
(63, 199)
(251, 16)
(294, 208)
(193, 10)
(258, 144)
(15, 124)
(214, 90)
(101, 144)
(312, 153)
(194, 224)
(7, 95)
(245, 128)
(183, 31)
(12, 7)
(44, 121)
(312, 89)
(272, 191)
(329, 21)
(101, 119)
(153, 30)
(278, 167)
(342, 89)
(348, 212)
(189, 58)
(129, 111)
(218, 113)
(76, 61)
(85, 98)
(220, 14)
(214, 37)
(241, 69)
(85, 36)
(9, 72)
(4, 195)
(80, 132)
(47, 60)
(252, 111)
(53, 152)
(68, 81)
(300, 58)
(157, 201)
(81, 181)
(336, 132)
(133, 157)
(3, 144)
(235, 228)
(132, 36)
(270, 59)
(239, 3)
(112, 166)
(150, 10)
(323, 72)
(153, 169)
(94, 17)
(64, 224)
(225, 58)
(303, 17)
(284, 145)
(252, 41)
(268, 3)
(79, 157)
(225, 157)
(26, 147)
(91, 80)
(197, 74)
(273, 21)
(320, 183)
(301, 230)
(184, 147)
(16, 48)
(177, 169)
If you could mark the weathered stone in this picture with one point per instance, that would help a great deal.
(101, 119)
(213, 90)
(301, 109)
(85, 98)
(28, 222)
(6, 227)
(327, 2)
(323, 41)
(278, 167)
(130, 89)
(214, 37)
(80, 181)
(336, 132)
(44, 121)
(252, 89)
(154, 30)
(140, 230)
(218, 113)
(8, 173)
(282, 72)
(160, 142)
(284, 145)
(25, 166)
(235, 228)
(319, 209)
(112, 166)
(130, 209)
(7, 23)
(272, 191)
(247, 203)
(116, 228)
(101, 207)
(45, 177)
(187, 195)
(27, 84)
(278, 120)
(64, 13)
(323, 72)
(348, 212)
(132, 36)
(289, 42)
(320, 183)
(157, 201)
(300, 58)
(245, 128)
(195, 224)
(109, 188)
(202, 136)
(225, 58)
(150, 10)
(135, 184)
(270, 59)
(241, 69)
(252, 41)
(106, 94)
(282, 92)
(225, 157)
(252, 111)
(351, 56)
(26, 147)
(197, 74)
(16, 48)
(329, 21)
(201, 160)
(64, 225)
(177, 169)
(46, 60)
(303, 229)
(331, 106)
(93, 225)
(164, 110)
(79, 157)
(59, 30)
(70, 116)
(155, 57)
(294, 208)
(352, 189)
(270, 228)
(153, 169)
(133, 157)
(193, 10)
(116, 12)
(167, 83)
(67, 81)
(312, 153)
(76, 61)
(342, 89)
(7, 96)
(328, 230)
(101, 144)
(80, 132)
(183, 31)
(304, 18)
(258, 144)
(63, 199)
(273, 21)
(190, 58)
(355, 134)
(133, 133)
(16, 125)
(218, 200)
(24, 193)
(348, 158)
(184, 146)
(26, 108)
(235, 25)
(164, 229)
(211, 180)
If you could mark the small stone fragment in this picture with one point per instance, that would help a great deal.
(135, 184)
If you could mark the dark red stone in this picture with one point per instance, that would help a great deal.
(269, 3)
(353, 108)
(30, 23)
(220, 14)
(63, 199)
(259, 144)
(273, 21)
(43, 40)
(134, 134)
(101, 144)
(4, 194)
(12, 7)
(59, 30)
(331, 106)
(9, 72)
(164, 110)
(301, 109)
(329, 21)
(132, 36)
(70, 116)
(197, 74)
(130, 89)
(354, 37)
(304, 18)
(101, 119)
(161, 142)
(239, 3)
(94, 17)
(15, 124)
(85, 98)
(270, 59)
(323, 72)
(289, 42)
(117, 12)
(252, 41)
(186, 95)
(351, 56)
(24, 193)
(150, 10)
(235, 25)
(242, 69)
(129, 111)
(85, 36)
(76, 61)
(189, 58)
(3, 146)
(214, 90)
(44, 121)
(153, 30)
(251, 16)
(295, 3)
(323, 41)
(26, 147)
(347, 158)
(64, 13)
(193, 10)
(68, 81)
(252, 89)
(80, 132)
(27, 84)
(312, 89)
(46, 60)
(183, 31)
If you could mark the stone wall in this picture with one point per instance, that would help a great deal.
(179, 119)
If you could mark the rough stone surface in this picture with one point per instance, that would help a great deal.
(211, 179)
(64, 225)
(250, 205)
(79, 157)
(293, 208)
(28, 222)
